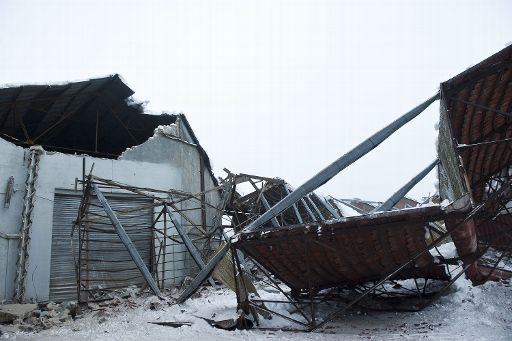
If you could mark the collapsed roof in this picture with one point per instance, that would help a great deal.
(475, 176)
(347, 252)
(475, 141)
(96, 116)
(479, 103)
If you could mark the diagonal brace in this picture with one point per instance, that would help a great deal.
(204, 273)
(188, 243)
(137, 259)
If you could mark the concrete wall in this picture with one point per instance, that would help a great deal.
(12, 163)
(160, 163)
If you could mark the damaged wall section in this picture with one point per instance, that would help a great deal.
(171, 159)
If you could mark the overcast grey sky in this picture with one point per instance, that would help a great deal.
(275, 88)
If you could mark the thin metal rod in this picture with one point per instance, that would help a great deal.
(337, 166)
(465, 146)
(188, 243)
(264, 201)
(328, 207)
(391, 202)
(315, 208)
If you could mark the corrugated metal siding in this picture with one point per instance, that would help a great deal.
(62, 271)
(109, 263)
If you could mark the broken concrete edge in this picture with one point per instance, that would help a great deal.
(12, 312)
(31, 317)
(44, 315)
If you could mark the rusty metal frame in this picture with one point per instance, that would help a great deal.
(376, 288)
(167, 201)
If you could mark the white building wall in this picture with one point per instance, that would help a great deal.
(12, 163)
(160, 163)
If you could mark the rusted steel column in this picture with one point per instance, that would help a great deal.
(464, 238)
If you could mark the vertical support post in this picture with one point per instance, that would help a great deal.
(84, 203)
(87, 258)
(79, 267)
(165, 248)
(203, 196)
(274, 221)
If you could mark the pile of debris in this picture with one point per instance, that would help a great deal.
(40, 316)
(36, 317)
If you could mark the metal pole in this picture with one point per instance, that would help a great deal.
(299, 218)
(315, 208)
(188, 243)
(337, 166)
(310, 213)
(264, 201)
(204, 273)
(391, 202)
(328, 207)
(275, 223)
(127, 242)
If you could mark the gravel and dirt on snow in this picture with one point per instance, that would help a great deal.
(464, 312)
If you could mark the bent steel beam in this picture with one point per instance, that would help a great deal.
(137, 259)
(303, 202)
(329, 207)
(337, 166)
(275, 223)
(391, 202)
(204, 273)
(188, 243)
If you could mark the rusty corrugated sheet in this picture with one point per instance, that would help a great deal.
(479, 105)
(474, 99)
(350, 251)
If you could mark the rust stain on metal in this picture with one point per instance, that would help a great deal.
(347, 252)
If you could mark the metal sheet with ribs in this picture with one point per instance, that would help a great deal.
(108, 263)
(479, 103)
(347, 252)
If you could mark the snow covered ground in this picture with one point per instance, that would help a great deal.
(466, 312)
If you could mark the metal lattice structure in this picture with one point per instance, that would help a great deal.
(158, 239)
